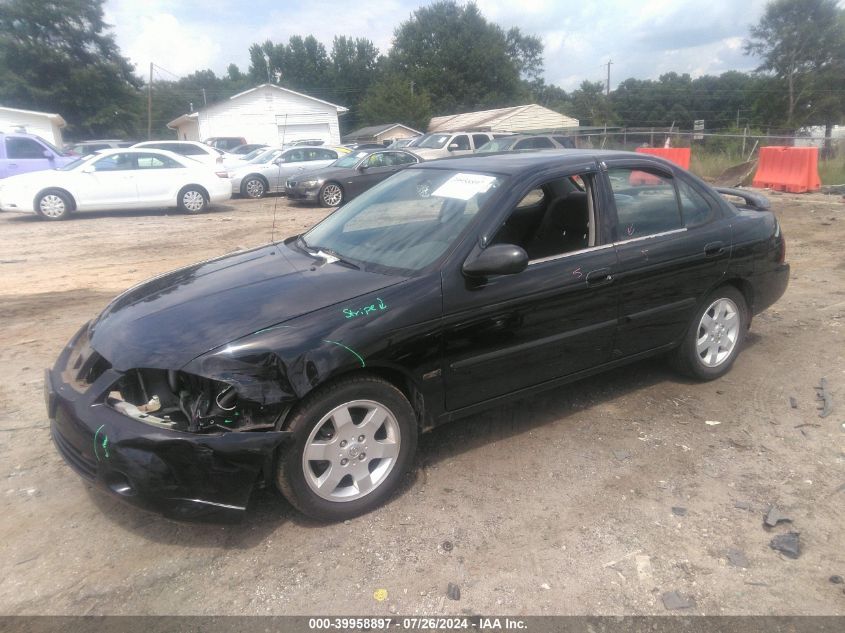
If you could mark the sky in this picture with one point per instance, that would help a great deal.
(643, 38)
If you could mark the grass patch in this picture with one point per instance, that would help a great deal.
(711, 165)
(832, 172)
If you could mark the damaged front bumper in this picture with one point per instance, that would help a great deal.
(177, 473)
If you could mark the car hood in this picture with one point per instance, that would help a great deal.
(32, 178)
(166, 322)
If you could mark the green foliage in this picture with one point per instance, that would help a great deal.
(57, 56)
(802, 43)
(462, 61)
(391, 100)
(590, 105)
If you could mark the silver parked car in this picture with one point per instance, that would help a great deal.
(268, 172)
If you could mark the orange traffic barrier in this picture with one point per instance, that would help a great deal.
(678, 155)
(792, 169)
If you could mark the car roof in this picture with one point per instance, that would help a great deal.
(143, 150)
(515, 163)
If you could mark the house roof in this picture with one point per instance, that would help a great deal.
(375, 130)
(55, 118)
(340, 109)
(193, 115)
(513, 119)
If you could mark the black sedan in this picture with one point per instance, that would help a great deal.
(348, 176)
(454, 285)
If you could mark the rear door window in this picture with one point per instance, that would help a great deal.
(694, 207)
(646, 202)
(479, 139)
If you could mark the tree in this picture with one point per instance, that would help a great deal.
(462, 61)
(392, 100)
(58, 56)
(590, 104)
(800, 42)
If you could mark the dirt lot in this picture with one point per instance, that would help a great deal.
(562, 504)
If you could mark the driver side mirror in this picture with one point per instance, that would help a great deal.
(48, 155)
(278, 161)
(453, 147)
(88, 169)
(498, 259)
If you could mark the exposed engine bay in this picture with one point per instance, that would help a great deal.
(185, 402)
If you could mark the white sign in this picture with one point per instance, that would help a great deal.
(464, 186)
(698, 128)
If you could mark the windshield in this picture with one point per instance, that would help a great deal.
(253, 154)
(350, 160)
(266, 156)
(496, 145)
(78, 162)
(435, 141)
(407, 222)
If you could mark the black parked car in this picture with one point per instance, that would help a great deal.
(314, 362)
(348, 176)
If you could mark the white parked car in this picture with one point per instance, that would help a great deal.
(445, 144)
(117, 179)
(268, 172)
(198, 151)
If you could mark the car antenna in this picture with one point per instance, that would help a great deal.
(275, 204)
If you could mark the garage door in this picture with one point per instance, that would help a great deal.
(304, 131)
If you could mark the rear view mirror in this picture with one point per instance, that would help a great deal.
(498, 259)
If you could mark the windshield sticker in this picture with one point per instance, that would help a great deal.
(464, 186)
(349, 313)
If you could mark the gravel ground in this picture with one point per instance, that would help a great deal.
(597, 498)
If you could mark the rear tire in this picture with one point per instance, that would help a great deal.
(353, 441)
(54, 205)
(715, 335)
(192, 200)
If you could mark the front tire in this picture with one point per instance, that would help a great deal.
(331, 195)
(254, 187)
(353, 441)
(53, 205)
(192, 200)
(715, 336)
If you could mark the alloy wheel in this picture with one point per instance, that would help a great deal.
(351, 450)
(718, 332)
(332, 195)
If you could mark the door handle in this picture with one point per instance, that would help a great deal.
(714, 249)
(600, 277)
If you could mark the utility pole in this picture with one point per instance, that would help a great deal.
(150, 105)
(204, 100)
(607, 89)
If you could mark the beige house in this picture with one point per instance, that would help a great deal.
(381, 133)
(44, 124)
(264, 114)
(524, 118)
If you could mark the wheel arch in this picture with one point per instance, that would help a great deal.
(392, 375)
(198, 186)
(261, 177)
(61, 190)
(745, 288)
